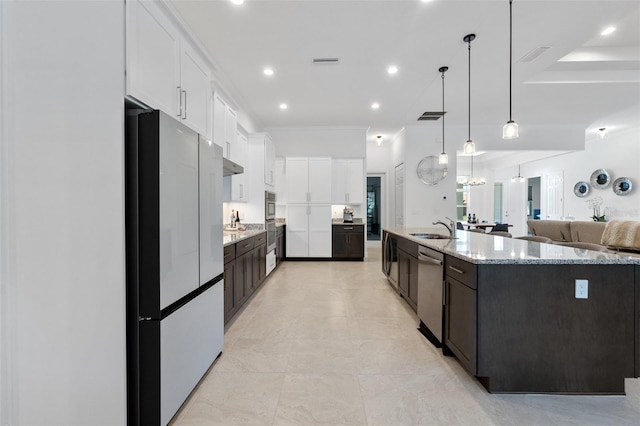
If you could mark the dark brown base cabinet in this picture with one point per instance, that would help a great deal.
(244, 271)
(408, 272)
(281, 248)
(348, 242)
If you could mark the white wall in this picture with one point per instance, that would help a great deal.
(425, 204)
(347, 142)
(62, 342)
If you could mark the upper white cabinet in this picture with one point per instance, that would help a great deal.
(239, 190)
(307, 180)
(348, 181)
(280, 183)
(195, 91)
(264, 153)
(163, 70)
(225, 129)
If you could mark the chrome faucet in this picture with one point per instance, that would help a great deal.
(451, 226)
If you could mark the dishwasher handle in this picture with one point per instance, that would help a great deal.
(427, 259)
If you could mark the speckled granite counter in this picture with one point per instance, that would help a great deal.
(488, 249)
(232, 237)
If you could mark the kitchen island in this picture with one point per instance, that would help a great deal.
(527, 317)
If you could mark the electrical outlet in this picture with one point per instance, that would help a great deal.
(582, 289)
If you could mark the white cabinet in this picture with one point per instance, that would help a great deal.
(225, 129)
(308, 180)
(153, 48)
(348, 181)
(195, 89)
(163, 70)
(279, 181)
(239, 182)
(309, 230)
(210, 199)
(269, 162)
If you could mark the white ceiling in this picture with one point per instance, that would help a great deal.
(600, 75)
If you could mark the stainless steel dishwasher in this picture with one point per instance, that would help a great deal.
(430, 293)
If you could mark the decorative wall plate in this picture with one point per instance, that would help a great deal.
(581, 189)
(430, 172)
(600, 179)
(622, 186)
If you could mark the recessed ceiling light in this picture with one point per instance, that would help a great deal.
(375, 105)
(268, 71)
(283, 106)
(392, 69)
(608, 31)
(237, 1)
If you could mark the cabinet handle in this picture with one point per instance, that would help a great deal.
(179, 101)
(348, 229)
(185, 104)
(228, 150)
(347, 197)
(308, 196)
(460, 271)
(246, 245)
(241, 190)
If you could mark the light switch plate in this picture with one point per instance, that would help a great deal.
(582, 289)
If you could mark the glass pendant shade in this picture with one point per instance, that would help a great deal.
(469, 147)
(443, 158)
(510, 130)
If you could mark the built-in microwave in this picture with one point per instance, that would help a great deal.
(269, 205)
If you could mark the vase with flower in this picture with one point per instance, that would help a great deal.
(599, 212)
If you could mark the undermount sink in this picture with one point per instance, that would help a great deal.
(432, 236)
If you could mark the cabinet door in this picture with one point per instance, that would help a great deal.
(339, 177)
(219, 112)
(354, 181)
(230, 129)
(319, 179)
(153, 66)
(244, 276)
(239, 182)
(297, 230)
(460, 322)
(403, 273)
(340, 244)
(230, 306)
(356, 243)
(297, 179)
(269, 162)
(195, 86)
(319, 230)
(413, 282)
(280, 183)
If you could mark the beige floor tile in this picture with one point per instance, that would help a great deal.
(322, 357)
(320, 399)
(234, 399)
(255, 355)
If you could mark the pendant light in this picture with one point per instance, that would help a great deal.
(443, 158)
(518, 178)
(510, 130)
(469, 146)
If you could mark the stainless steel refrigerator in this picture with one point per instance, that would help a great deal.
(175, 313)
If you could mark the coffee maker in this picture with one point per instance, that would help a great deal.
(347, 215)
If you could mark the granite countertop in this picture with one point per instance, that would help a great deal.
(488, 249)
(356, 221)
(232, 237)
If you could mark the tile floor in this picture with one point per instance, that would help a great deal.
(330, 343)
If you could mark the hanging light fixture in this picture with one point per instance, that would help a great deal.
(469, 146)
(518, 178)
(510, 130)
(379, 140)
(443, 158)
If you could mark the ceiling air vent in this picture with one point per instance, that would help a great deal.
(322, 61)
(529, 57)
(431, 116)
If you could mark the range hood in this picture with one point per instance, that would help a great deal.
(230, 168)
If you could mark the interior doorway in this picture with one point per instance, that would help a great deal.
(374, 207)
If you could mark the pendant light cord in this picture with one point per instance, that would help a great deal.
(469, 135)
(443, 111)
(510, 51)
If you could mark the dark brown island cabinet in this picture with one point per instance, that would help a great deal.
(408, 272)
(280, 243)
(244, 271)
(519, 328)
(348, 242)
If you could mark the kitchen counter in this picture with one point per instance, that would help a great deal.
(356, 221)
(477, 248)
(232, 237)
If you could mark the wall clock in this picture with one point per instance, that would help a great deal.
(430, 172)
